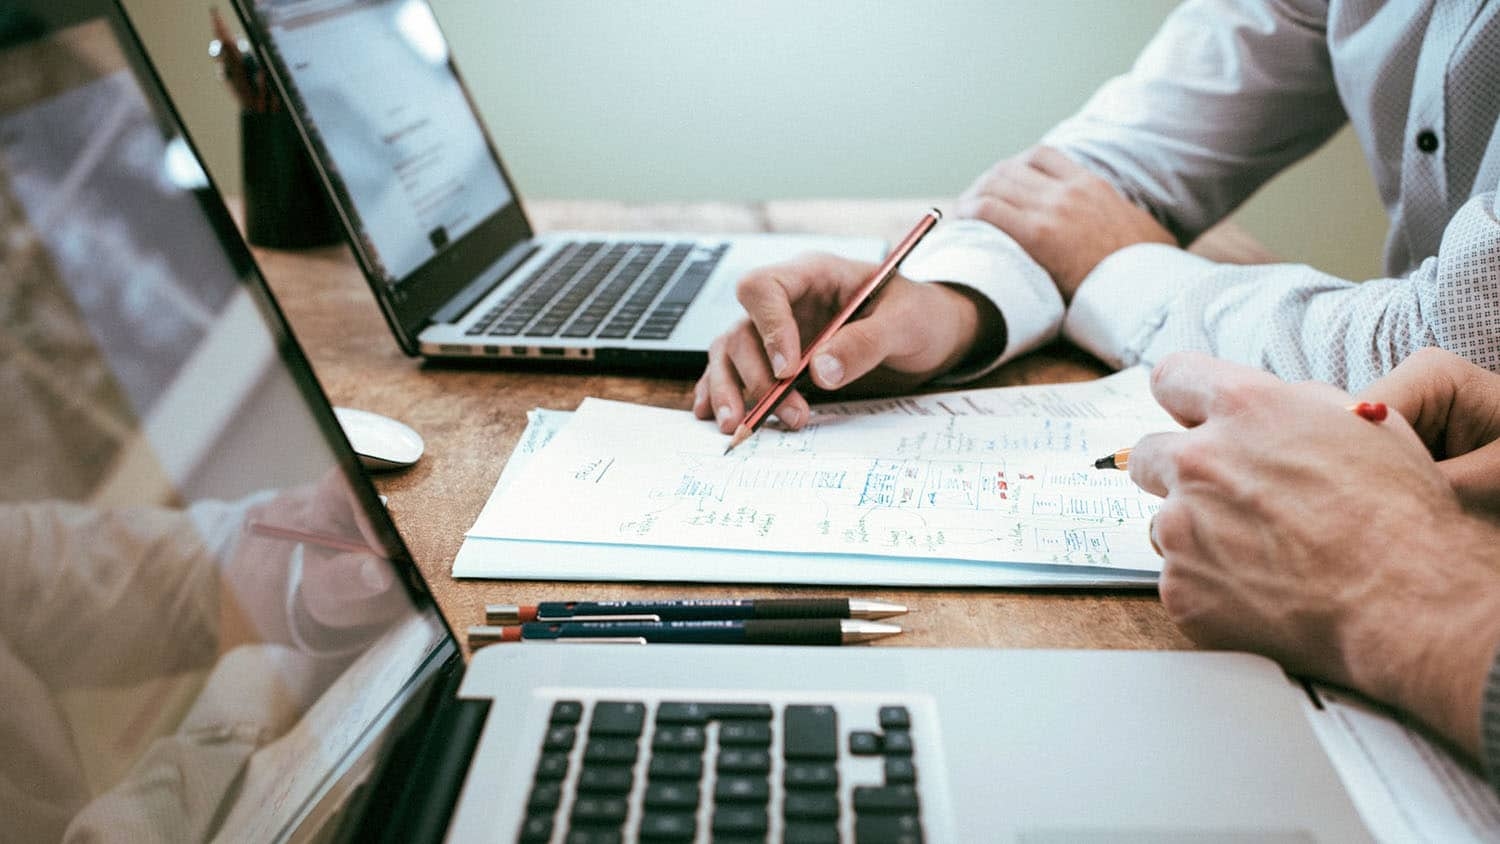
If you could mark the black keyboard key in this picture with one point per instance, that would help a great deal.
(606, 779)
(804, 832)
(559, 738)
(810, 805)
(536, 829)
(813, 776)
(599, 810)
(544, 797)
(614, 718)
(609, 751)
(593, 835)
(894, 718)
(811, 732)
(676, 796)
(566, 712)
(744, 734)
(740, 820)
(676, 712)
(899, 770)
(739, 789)
(898, 743)
(687, 737)
(740, 711)
(886, 799)
(887, 829)
(663, 826)
(864, 743)
(552, 766)
(675, 766)
(744, 761)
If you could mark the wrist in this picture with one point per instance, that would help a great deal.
(1427, 647)
(979, 328)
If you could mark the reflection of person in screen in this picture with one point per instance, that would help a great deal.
(146, 652)
(94, 598)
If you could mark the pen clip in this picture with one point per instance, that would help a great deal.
(626, 617)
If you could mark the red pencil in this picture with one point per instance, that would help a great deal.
(768, 402)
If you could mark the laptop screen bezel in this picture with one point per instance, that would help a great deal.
(410, 304)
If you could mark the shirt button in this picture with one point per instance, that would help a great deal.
(1427, 140)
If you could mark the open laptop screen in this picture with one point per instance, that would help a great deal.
(374, 85)
(201, 626)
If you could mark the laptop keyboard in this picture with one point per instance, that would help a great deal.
(721, 772)
(604, 289)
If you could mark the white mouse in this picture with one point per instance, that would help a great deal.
(381, 442)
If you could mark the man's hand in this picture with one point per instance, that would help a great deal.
(1455, 408)
(1299, 530)
(1063, 215)
(910, 333)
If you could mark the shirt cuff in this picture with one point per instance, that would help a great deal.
(1489, 724)
(979, 256)
(1122, 304)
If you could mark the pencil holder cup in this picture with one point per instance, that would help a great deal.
(285, 204)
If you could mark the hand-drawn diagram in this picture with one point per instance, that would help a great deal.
(1002, 487)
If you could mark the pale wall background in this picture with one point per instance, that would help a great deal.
(643, 100)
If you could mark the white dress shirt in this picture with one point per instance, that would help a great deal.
(1225, 96)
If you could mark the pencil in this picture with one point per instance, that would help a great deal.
(335, 543)
(1373, 411)
(768, 402)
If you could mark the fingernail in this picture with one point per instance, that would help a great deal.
(778, 365)
(830, 371)
(700, 395)
(722, 412)
(790, 415)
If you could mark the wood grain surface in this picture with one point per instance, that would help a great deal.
(471, 418)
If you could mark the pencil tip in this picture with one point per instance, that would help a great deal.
(741, 434)
(1105, 462)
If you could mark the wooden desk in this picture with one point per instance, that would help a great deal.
(471, 418)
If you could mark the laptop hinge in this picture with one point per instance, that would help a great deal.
(415, 793)
(485, 282)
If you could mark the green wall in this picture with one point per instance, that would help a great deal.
(684, 99)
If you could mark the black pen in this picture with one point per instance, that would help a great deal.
(778, 631)
(690, 609)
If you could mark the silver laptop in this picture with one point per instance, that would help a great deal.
(210, 628)
(439, 230)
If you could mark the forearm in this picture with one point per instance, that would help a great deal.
(1429, 646)
(1225, 96)
(1147, 301)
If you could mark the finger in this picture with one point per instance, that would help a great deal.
(770, 295)
(1000, 213)
(1453, 405)
(894, 325)
(701, 406)
(725, 391)
(1152, 462)
(348, 590)
(1475, 476)
(1054, 163)
(1192, 386)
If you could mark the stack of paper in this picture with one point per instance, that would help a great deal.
(979, 487)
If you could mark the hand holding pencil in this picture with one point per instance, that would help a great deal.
(908, 334)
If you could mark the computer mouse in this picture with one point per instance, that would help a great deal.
(381, 442)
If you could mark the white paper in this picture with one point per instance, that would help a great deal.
(1015, 485)
(1406, 787)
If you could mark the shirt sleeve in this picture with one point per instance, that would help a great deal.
(1148, 300)
(1489, 724)
(1226, 95)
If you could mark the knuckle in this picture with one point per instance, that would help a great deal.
(1195, 460)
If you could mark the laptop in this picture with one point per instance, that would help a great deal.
(437, 225)
(211, 629)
